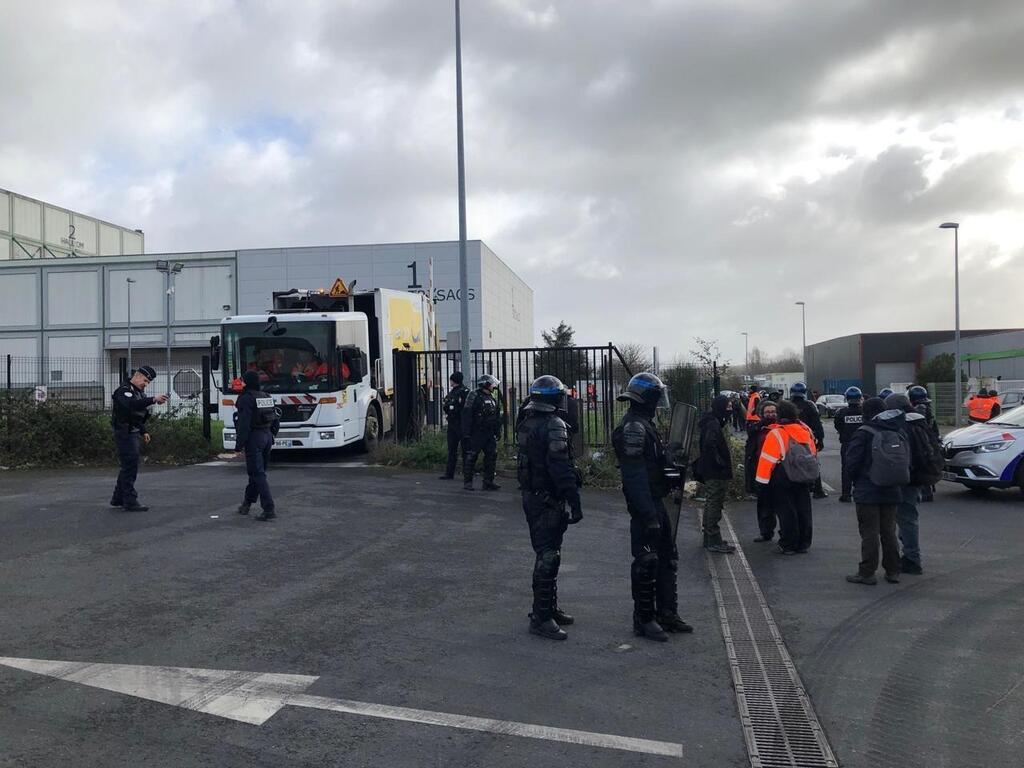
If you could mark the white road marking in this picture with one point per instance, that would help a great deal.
(254, 697)
(828, 488)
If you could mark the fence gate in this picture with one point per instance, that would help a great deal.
(594, 375)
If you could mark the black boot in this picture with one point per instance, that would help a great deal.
(244, 507)
(468, 485)
(652, 630)
(489, 485)
(564, 619)
(548, 628)
(265, 516)
(715, 543)
(542, 621)
(672, 622)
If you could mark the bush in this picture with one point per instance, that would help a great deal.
(59, 434)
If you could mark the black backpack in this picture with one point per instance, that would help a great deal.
(926, 460)
(890, 457)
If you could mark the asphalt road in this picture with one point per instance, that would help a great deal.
(928, 672)
(393, 587)
(398, 589)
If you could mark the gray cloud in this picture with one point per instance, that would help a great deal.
(656, 170)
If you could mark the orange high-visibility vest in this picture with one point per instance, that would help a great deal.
(980, 408)
(775, 444)
(752, 401)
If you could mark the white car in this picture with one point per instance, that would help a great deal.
(987, 455)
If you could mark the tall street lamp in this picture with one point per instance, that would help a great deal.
(958, 394)
(746, 353)
(463, 269)
(169, 271)
(130, 282)
(803, 325)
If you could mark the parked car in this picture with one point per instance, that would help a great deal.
(1011, 398)
(987, 455)
(829, 405)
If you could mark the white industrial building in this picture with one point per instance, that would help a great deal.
(58, 306)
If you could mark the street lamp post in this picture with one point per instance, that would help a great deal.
(169, 271)
(803, 326)
(958, 394)
(746, 353)
(463, 269)
(129, 281)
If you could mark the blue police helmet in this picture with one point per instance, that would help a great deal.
(547, 393)
(884, 393)
(799, 389)
(646, 389)
(853, 393)
(918, 394)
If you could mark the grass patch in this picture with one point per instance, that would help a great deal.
(56, 434)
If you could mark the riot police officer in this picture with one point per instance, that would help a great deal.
(919, 399)
(256, 422)
(551, 497)
(809, 415)
(481, 425)
(128, 419)
(642, 462)
(847, 421)
(452, 406)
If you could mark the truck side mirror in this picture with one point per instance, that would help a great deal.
(215, 352)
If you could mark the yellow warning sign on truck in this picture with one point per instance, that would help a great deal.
(339, 290)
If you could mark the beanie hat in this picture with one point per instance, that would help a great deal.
(251, 379)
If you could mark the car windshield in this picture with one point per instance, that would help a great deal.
(1011, 418)
(835, 399)
(289, 357)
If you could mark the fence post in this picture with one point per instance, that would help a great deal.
(8, 373)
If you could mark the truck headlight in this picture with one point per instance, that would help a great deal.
(229, 435)
(326, 435)
(999, 445)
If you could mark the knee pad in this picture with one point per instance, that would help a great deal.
(547, 564)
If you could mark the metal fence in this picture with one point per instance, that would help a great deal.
(595, 375)
(89, 382)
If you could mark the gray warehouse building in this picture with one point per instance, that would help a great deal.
(995, 356)
(59, 308)
(873, 361)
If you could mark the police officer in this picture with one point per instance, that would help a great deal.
(642, 461)
(846, 422)
(809, 415)
(922, 404)
(131, 409)
(452, 406)
(481, 425)
(550, 483)
(256, 422)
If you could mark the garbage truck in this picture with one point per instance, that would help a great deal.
(327, 360)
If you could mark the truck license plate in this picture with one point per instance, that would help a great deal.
(949, 475)
(282, 443)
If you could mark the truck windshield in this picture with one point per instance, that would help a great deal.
(289, 357)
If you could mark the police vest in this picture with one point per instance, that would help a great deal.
(266, 413)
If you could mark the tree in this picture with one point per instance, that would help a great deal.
(561, 335)
(636, 360)
(708, 357)
(563, 360)
(939, 368)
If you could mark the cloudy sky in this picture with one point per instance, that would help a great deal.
(655, 169)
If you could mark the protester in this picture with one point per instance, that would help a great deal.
(715, 469)
(878, 461)
(788, 466)
(765, 511)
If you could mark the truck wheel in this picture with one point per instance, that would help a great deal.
(371, 433)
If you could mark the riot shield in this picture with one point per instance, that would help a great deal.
(678, 447)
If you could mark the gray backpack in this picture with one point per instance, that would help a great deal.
(890, 458)
(799, 464)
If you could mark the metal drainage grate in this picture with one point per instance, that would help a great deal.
(779, 724)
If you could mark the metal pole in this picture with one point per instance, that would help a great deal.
(168, 283)
(803, 325)
(463, 271)
(130, 281)
(956, 333)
